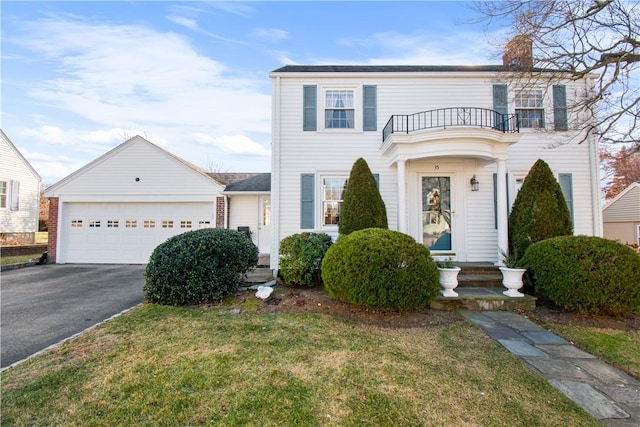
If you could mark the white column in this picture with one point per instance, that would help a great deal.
(501, 206)
(402, 196)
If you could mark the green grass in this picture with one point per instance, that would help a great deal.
(18, 259)
(171, 366)
(616, 347)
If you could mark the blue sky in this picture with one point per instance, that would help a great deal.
(79, 78)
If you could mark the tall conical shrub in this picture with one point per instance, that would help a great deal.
(539, 212)
(362, 204)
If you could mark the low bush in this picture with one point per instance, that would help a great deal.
(301, 257)
(380, 268)
(199, 266)
(586, 274)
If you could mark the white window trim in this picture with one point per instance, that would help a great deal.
(357, 108)
(545, 107)
(320, 197)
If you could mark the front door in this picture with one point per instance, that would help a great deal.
(264, 228)
(436, 213)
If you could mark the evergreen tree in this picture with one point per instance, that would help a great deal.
(362, 205)
(539, 212)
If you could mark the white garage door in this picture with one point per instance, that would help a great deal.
(125, 233)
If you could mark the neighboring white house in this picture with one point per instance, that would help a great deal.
(449, 145)
(119, 207)
(19, 195)
(621, 216)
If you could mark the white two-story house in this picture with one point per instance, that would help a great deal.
(449, 146)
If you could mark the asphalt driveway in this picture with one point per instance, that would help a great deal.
(45, 304)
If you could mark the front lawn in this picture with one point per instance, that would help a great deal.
(160, 365)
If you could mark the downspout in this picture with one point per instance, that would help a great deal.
(594, 161)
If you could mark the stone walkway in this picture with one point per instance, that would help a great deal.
(608, 394)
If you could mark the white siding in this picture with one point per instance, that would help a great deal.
(243, 212)
(334, 151)
(13, 167)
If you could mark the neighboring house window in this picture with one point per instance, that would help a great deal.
(529, 108)
(76, 223)
(560, 120)
(339, 110)
(185, 224)
(149, 224)
(167, 224)
(332, 191)
(15, 196)
(94, 223)
(131, 223)
(113, 223)
(3, 194)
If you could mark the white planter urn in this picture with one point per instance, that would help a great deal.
(449, 281)
(512, 280)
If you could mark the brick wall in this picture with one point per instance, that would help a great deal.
(220, 212)
(23, 250)
(53, 229)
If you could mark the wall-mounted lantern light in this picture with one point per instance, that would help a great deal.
(475, 184)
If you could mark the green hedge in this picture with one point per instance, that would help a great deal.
(586, 274)
(301, 257)
(380, 268)
(199, 266)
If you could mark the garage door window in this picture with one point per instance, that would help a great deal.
(149, 224)
(167, 224)
(204, 224)
(131, 223)
(185, 224)
(76, 223)
(112, 224)
(94, 223)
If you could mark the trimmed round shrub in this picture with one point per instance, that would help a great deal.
(586, 274)
(539, 212)
(199, 266)
(380, 268)
(362, 205)
(301, 257)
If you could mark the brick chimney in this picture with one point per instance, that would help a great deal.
(518, 53)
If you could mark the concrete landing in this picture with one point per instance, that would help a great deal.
(483, 299)
(607, 393)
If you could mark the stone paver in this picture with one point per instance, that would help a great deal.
(608, 394)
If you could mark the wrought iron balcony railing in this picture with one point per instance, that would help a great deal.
(450, 117)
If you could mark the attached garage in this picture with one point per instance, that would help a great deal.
(117, 233)
(118, 208)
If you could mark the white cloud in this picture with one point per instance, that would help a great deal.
(234, 144)
(269, 34)
(139, 77)
(185, 22)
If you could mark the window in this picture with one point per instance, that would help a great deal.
(332, 192)
(167, 224)
(94, 223)
(3, 194)
(529, 109)
(185, 224)
(131, 223)
(149, 223)
(339, 110)
(15, 196)
(204, 224)
(76, 223)
(112, 223)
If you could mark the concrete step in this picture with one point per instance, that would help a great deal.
(479, 280)
(259, 275)
(484, 299)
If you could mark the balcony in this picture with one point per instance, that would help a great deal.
(451, 117)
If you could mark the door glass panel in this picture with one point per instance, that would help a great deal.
(266, 211)
(436, 212)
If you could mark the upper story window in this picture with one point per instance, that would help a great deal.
(339, 110)
(332, 194)
(530, 109)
